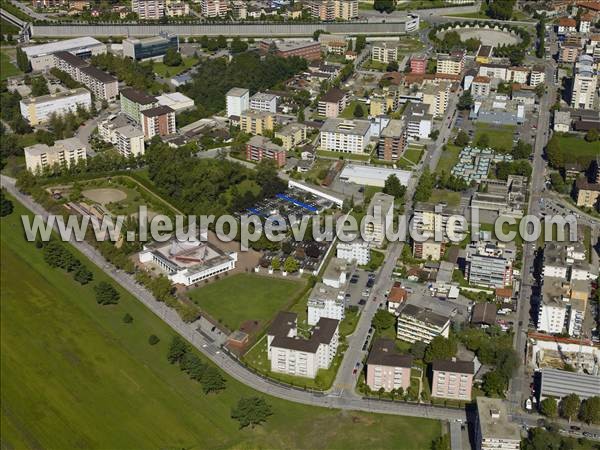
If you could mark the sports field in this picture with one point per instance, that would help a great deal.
(75, 376)
(237, 298)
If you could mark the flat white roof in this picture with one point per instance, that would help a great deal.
(175, 97)
(374, 173)
(65, 46)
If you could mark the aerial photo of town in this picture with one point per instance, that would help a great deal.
(300, 224)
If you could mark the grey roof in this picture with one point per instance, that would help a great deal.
(424, 315)
(322, 334)
(343, 126)
(237, 92)
(98, 74)
(333, 95)
(484, 313)
(56, 96)
(71, 59)
(158, 111)
(445, 365)
(385, 353)
(394, 129)
(493, 420)
(559, 383)
(283, 322)
(64, 45)
(138, 96)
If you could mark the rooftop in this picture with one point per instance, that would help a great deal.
(424, 315)
(64, 45)
(343, 126)
(385, 353)
(98, 74)
(322, 333)
(158, 111)
(484, 313)
(377, 173)
(138, 96)
(57, 96)
(558, 383)
(493, 420)
(71, 59)
(453, 365)
(333, 95)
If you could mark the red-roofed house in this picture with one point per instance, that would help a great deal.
(396, 297)
(585, 22)
(566, 25)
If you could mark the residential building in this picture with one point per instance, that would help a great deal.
(430, 249)
(256, 122)
(484, 54)
(396, 298)
(451, 64)
(418, 121)
(437, 97)
(372, 175)
(336, 47)
(568, 54)
(493, 428)
(480, 87)
(452, 379)
(238, 101)
(587, 193)
(562, 121)
(133, 102)
(239, 9)
(148, 9)
(519, 75)
(558, 383)
(309, 50)
(381, 208)
(429, 218)
(176, 101)
(484, 314)
(584, 86)
(129, 141)
(177, 9)
(537, 75)
(490, 264)
(346, 136)
(107, 127)
(325, 301)
(101, 84)
(263, 102)
(332, 103)
(214, 8)
(585, 22)
(566, 25)
(37, 110)
(64, 152)
(384, 52)
(387, 369)
(293, 355)
(420, 324)
(154, 47)
(259, 148)
(357, 250)
(553, 306)
(41, 57)
(561, 257)
(292, 135)
(330, 10)
(158, 121)
(335, 273)
(189, 261)
(498, 71)
(418, 64)
(392, 141)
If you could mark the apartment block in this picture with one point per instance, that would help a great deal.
(493, 428)
(130, 141)
(392, 141)
(452, 379)
(133, 102)
(387, 368)
(346, 136)
(537, 75)
(294, 355)
(214, 8)
(437, 97)
(325, 301)
(37, 110)
(518, 75)
(481, 86)
(263, 102)
(384, 52)
(158, 121)
(101, 84)
(418, 64)
(148, 9)
(498, 71)
(177, 9)
(429, 218)
(330, 10)
(587, 193)
(65, 152)
(585, 85)
(420, 324)
(332, 103)
(309, 50)
(490, 264)
(356, 250)
(381, 208)
(292, 135)
(568, 54)
(256, 122)
(430, 249)
(259, 148)
(451, 64)
(238, 101)
(41, 57)
(418, 121)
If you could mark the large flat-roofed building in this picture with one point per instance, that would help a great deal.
(585, 84)
(451, 64)
(148, 9)
(158, 121)
(373, 176)
(553, 305)
(187, 262)
(493, 428)
(325, 301)
(392, 141)
(418, 121)
(452, 379)
(387, 368)
(37, 110)
(256, 122)
(259, 148)
(309, 50)
(176, 101)
(490, 264)
(65, 152)
(262, 101)
(384, 52)
(292, 135)
(345, 136)
(101, 84)
(437, 97)
(560, 383)
(133, 102)
(294, 355)
(130, 141)
(238, 101)
(357, 250)
(41, 57)
(421, 324)
(150, 48)
(381, 208)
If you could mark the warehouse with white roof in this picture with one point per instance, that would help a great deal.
(40, 56)
(372, 176)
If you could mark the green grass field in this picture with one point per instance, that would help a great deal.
(7, 69)
(348, 112)
(164, 71)
(448, 159)
(8, 28)
(575, 149)
(500, 137)
(75, 376)
(413, 155)
(451, 198)
(237, 298)
(341, 155)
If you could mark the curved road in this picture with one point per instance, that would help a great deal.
(345, 401)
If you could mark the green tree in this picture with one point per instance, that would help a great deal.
(569, 406)
(127, 318)
(494, 384)
(590, 410)
(172, 58)
(483, 140)
(425, 186)
(6, 206)
(592, 135)
(500, 9)
(382, 320)
(392, 66)
(392, 186)
(554, 153)
(178, 348)
(39, 86)
(212, 380)
(359, 111)
(522, 150)
(549, 407)
(291, 265)
(359, 45)
(462, 139)
(276, 263)
(22, 60)
(153, 339)
(106, 294)
(83, 275)
(440, 348)
(317, 34)
(465, 101)
(418, 349)
(384, 6)
(441, 443)
(238, 46)
(251, 411)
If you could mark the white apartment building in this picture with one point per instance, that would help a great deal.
(346, 136)
(480, 87)
(537, 75)
(490, 264)
(148, 9)
(552, 310)
(38, 110)
(130, 141)
(64, 152)
(418, 121)
(384, 52)
(357, 250)
(452, 64)
(263, 102)
(214, 8)
(325, 301)
(381, 209)
(238, 101)
(493, 428)
(421, 324)
(498, 71)
(437, 97)
(297, 356)
(584, 88)
(101, 84)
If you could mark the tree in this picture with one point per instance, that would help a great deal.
(554, 153)
(500, 9)
(540, 90)
(384, 6)
(462, 139)
(558, 183)
(127, 318)
(569, 406)
(212, 380)
(83, 275)
(359, 111)
(541, 35)
(178, 348)
(22, 60)
(465, 102)
(425, 186)
(522, 150)
(590, 410)
(153, 339)
(221, 41)
(392, 66)
(483, 140)
(382, 320)
(276, 263)
(359, 45)
(494, 384)
(106, 294)
(441, 443)
(592, 136)
(392, 186)
(6, 206)
(440, 348)
(316, 34)
(291, 265)
(549, 407)
(238, 46)
(434, 134)
(39, 87)
(172, 57)
(251, 411)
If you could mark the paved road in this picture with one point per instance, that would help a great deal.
(531, 420)
(227, 363)
(30, 12)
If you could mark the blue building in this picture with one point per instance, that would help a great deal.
(150, 48)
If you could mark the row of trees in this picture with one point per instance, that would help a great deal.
(56, 255)
(571, 407)
(290, 264)
(132, 73)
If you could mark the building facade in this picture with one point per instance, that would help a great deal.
(263, 102)
(133, 102)
(238, 101)
(148, 9)
(346, 136)
(420, 324)
(325, 301)
(37, 110)
(332, 103)
(452, 379)
(387, 368)
(256, 122)
(150, 48)
(158, 121)
(65, 152)
(259, 148)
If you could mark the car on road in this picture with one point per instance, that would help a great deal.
(362, 302)
(370, 283)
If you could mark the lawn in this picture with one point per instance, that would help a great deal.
(576, 149)
(164, 71)
(348, 112)
(448, 159)
(500, 137)
(375, 262)
(342, 155)
(237, 298)
(413, 155)
(370, 64)
(451, 198)
(8, 28)
(7, 69)
(75, 376)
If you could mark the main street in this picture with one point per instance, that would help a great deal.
(227, 363)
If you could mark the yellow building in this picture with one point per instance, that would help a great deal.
(292, 135)
(256, 122)
(587, 193)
